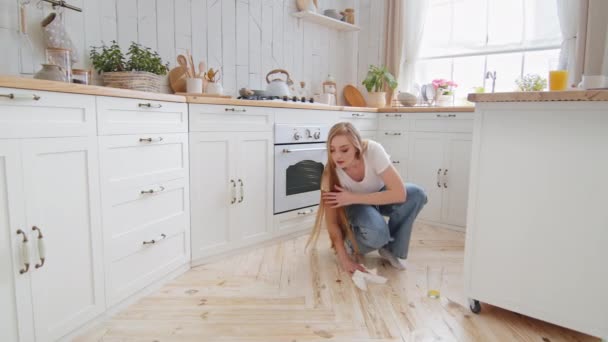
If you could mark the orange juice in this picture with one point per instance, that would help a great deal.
(558, 79)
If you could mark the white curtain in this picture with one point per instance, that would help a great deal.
(568, 14)
(415, 16)
(605, 59)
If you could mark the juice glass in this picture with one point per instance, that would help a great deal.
(434, 280)
(558, 79)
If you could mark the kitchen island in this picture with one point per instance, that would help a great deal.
(537, 221)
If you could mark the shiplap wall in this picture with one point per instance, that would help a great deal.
(247, 38)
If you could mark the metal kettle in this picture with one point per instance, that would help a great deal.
(278, 86)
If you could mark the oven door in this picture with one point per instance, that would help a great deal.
(297, 175)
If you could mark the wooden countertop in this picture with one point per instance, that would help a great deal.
(62, 87)
(540, 96)
(43, 85)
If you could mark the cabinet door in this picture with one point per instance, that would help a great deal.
(254, 174)
(455, 178)
(14, 286)
(396, 145)
(425, 169)
(212, 190)
(61, 185)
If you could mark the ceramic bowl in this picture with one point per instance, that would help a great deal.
(407, 99)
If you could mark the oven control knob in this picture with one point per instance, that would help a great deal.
(317, 135)
(296, 136)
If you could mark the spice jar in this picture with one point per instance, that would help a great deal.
(80, 76)
(62, 58)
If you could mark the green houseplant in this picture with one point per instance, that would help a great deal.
(378, 77)
(531, 82)
(142, 70)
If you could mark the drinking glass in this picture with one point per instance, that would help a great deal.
(434, 280)
(558, 79)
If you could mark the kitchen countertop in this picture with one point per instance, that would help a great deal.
(541, 96)
(43, 85)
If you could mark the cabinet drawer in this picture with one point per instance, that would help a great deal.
(362, 121)
(296, 220)
(204, 118)
(41, 114)
(393, 122)
(442, 122)
(133, 213)
(132, 116)
(150, 262)
(132, 160)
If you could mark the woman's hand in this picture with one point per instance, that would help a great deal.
(349, 265)
(340, 198)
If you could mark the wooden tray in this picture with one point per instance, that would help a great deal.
(354, 97)
(205, 95)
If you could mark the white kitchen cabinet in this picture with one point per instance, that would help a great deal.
(396, 144)
(439, 162)
(54, 200)
(231, 190)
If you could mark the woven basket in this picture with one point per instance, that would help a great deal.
(135, 80)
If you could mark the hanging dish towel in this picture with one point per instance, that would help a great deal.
(56, 36)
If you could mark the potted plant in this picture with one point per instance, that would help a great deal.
(444, 93)
(375, 81)
(142, 70)
(531, 82)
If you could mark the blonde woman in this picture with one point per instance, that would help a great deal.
(359, 187)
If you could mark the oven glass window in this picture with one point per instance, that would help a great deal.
(304, 176)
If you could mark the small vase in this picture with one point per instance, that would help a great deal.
(56, 35)
(214, 88)
(194, 85)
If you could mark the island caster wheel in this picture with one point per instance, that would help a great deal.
(474, 306)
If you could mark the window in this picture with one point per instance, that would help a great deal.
(464, 39)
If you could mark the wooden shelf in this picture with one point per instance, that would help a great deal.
(325, 20)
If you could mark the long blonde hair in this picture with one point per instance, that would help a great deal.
(350, 132)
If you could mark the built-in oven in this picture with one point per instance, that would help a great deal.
(300, 154)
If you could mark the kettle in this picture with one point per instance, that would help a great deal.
(278, 87)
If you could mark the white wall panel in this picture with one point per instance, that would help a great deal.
(246, 38)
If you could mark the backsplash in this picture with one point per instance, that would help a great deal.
(247, 38)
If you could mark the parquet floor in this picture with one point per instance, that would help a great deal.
(280, 293)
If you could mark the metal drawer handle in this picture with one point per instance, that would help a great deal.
(438, 175)
(25, 253)
(446, 115)
(149, 105)
(396, 162)
(233, 192)
(41, 247)
(358, 115)
(393, 115)
(289, 150)
(243, 110)
(21, 96)
(153, 241)
(445, 173)
(307, 212)
(242, 193)
(152, 191)
(159, 139)
(387, 133)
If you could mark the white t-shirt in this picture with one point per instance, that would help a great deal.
(376, 161)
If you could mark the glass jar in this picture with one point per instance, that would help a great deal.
(81, 76)
(62, 58)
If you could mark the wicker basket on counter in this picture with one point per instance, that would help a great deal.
(134, 80)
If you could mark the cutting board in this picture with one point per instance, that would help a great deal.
(353, 96)
(177, 79)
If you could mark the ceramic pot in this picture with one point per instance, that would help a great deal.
(51, 72)
(194, 85)
(377, 99)
(214, 88)
(444, 100)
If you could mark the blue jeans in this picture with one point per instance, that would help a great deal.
(371, 230)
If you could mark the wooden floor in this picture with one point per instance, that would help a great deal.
(280, 293)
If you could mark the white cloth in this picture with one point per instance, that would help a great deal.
(361, 279)
(376, 161)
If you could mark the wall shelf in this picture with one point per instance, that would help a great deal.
(325, 20)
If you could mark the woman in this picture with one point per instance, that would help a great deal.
(359, 186)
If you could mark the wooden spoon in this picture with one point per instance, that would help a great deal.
(183, 62)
